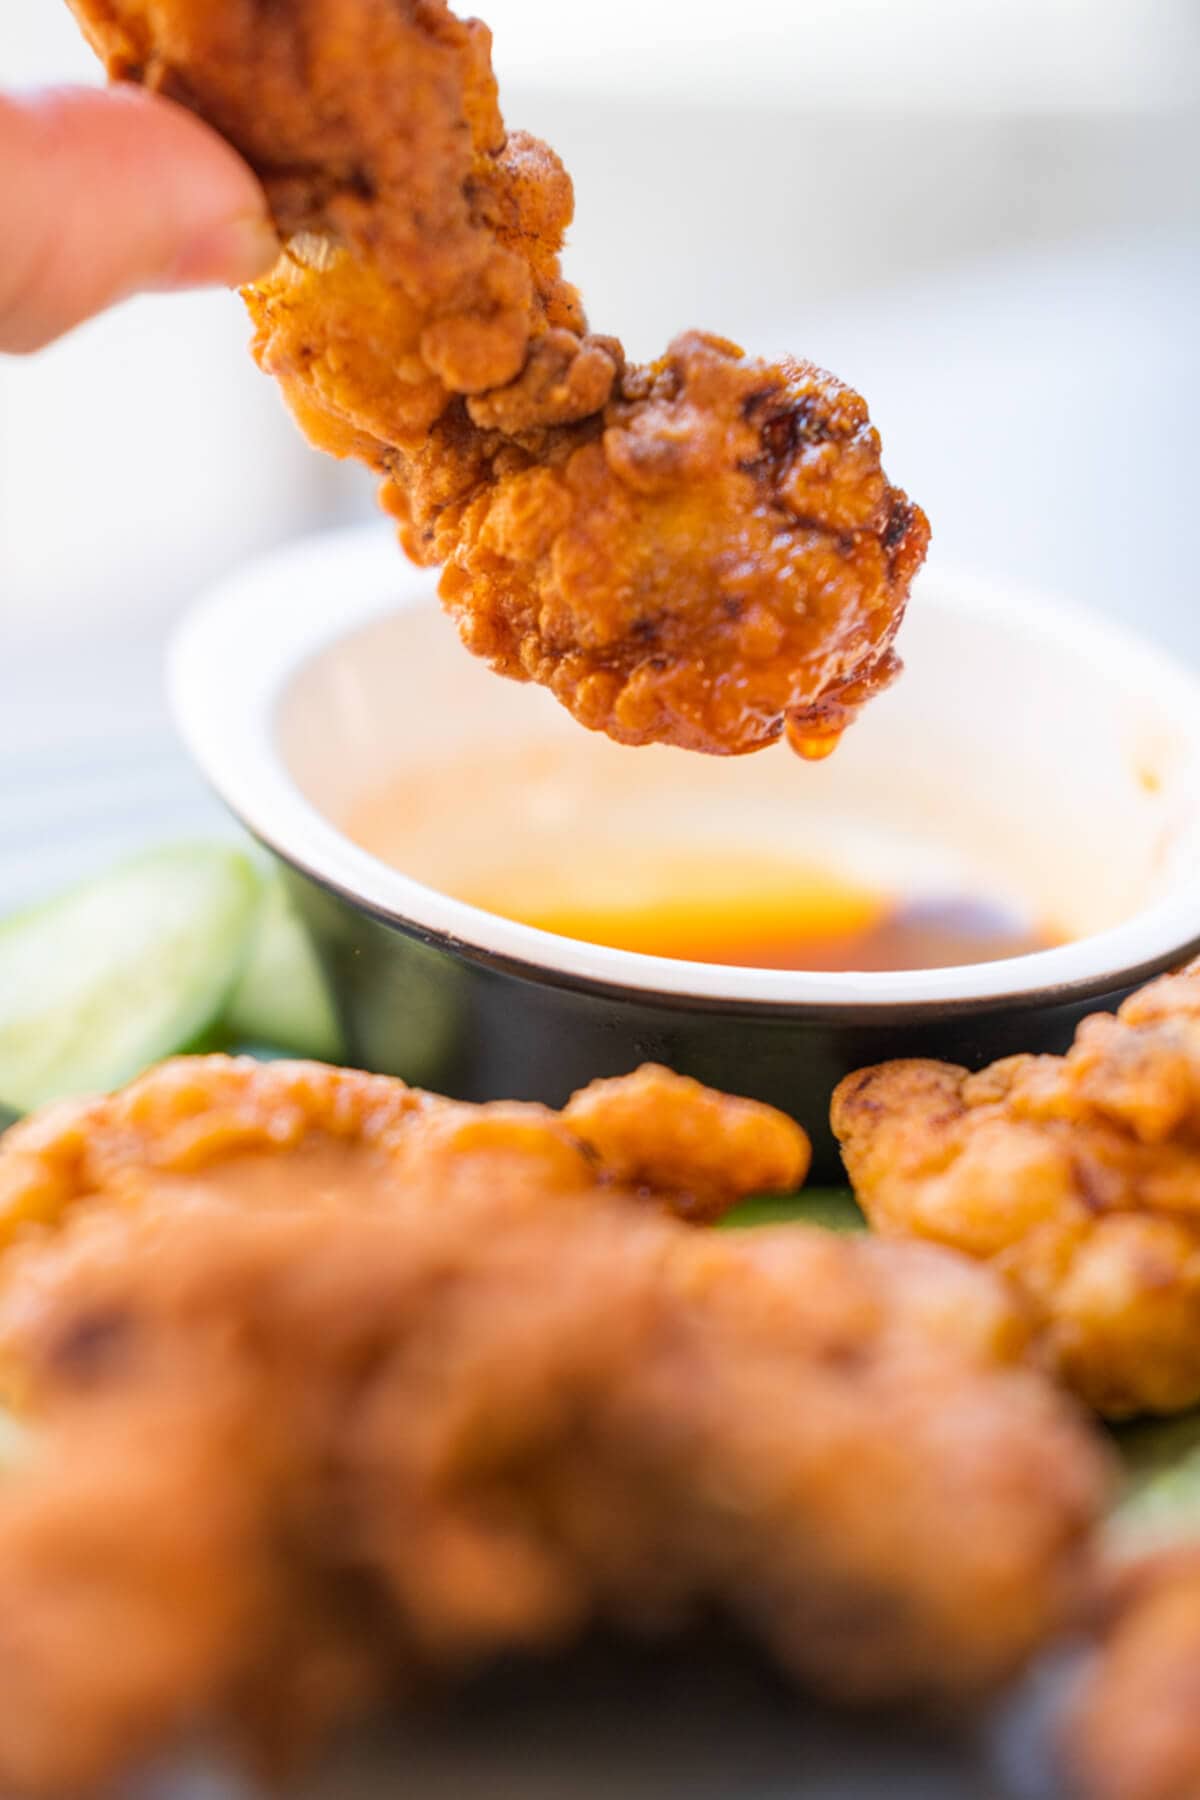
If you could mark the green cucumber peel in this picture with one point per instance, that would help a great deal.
(121, 971)
(1160, 1500)
(282, 999)
(835, 1209)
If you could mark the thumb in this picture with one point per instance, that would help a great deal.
(105, 194)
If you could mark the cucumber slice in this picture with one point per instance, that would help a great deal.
(118, 973)
(833, 1208)
(1161, 1501)
(282, 999)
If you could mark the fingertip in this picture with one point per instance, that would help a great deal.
(208, 172)
(231, 255)
(111, 192)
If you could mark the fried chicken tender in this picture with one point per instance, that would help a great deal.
(1077, 1176)
(701, 551)
(212, 1128)
(331, 1390)
(1134, 1730)
(665, 1134)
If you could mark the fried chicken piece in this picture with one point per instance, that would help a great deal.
(331, 1388)
(215, 1129)
(283, 1461)
(1134, 1730)
(702, 551)
(665, 1134)
(1077, 1176)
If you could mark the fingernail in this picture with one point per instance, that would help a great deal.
(228, 256)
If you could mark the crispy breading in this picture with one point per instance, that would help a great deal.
(208, 1126)
(1077, 1176)
(332, 1389)
(702, 1151)
(1134, 1728)
(701, 551)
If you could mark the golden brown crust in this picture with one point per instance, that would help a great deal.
(703, 551)
(665, 1133)
(410, 1385)
(213, 1122)
(1078, 1176)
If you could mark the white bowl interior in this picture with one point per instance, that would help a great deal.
(1029, 753)
(1001, 764)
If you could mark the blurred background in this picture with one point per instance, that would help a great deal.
(983, 213)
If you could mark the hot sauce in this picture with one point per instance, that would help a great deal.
(790, 920)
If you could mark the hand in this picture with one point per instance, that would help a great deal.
(106, 194)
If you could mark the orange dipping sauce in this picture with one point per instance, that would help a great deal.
(928, 935)
(818, 923)
(527, 837)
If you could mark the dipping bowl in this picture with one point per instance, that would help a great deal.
(1029, 745)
